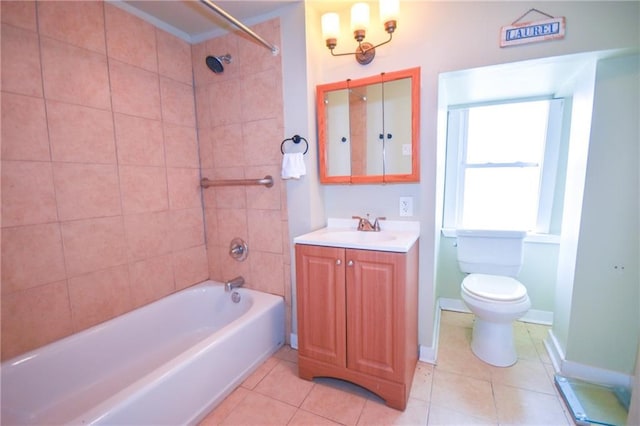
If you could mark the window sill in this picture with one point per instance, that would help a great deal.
(530, 238)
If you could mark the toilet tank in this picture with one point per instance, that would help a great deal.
(490, 252)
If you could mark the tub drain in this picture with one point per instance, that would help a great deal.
(235, 297)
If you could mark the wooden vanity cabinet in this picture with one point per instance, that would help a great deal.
(358, 319)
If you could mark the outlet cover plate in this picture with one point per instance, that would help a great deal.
(406, 206)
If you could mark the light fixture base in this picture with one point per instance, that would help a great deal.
(365, 53)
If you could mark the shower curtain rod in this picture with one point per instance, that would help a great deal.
(234, 21)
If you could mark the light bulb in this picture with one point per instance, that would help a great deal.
(330, 27)
(389, 10)
(359, 20)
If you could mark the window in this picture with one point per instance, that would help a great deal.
(501, 165)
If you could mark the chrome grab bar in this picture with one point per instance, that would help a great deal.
(266, 181)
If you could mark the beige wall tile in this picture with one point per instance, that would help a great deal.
(19, 13)
(74, 75)
(174, 57)
(261, 96)
(77, 23)
(88, 138)
(184, 188)
(21, 71)
(99, 296)
(187, 228)
(93, 244)
(31, 256)
(268, 272)
(148, 234)
(86, 190)
(139, 141)
(181, 146)
(143, 189)
(35, 317)
(134, 91)
(190, 266)
(225, 106)
(261, 141)
(27, 193)
(265, 231)
(227, 146)
(177, 102)
(130, 39)
(151, 279)
(24, 128)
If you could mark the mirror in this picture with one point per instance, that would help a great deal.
(368, 129)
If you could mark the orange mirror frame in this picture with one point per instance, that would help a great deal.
(351, 145)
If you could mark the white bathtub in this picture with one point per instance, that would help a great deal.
(169, 362)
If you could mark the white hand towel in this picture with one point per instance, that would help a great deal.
(293, 165)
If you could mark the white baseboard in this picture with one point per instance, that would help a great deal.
(582, 371)
(534, 316)
(429, 354)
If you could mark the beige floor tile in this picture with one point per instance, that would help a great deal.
(455, 355)
(538, 331)
(376, 413)
(216, 416)
(256, 409)
(305, 418)
(460, 319)
(287, 353)
(335, 404)
(255, 378)
(524, 407)
(422, 381)
(282, 383)
(445, 416)
(467, 395)
(525, 347)
(524, 374)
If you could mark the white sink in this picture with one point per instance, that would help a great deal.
(396, 236)
(358, 236)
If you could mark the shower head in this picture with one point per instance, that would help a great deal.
(215, 62)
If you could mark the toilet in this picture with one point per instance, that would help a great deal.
(493, 259)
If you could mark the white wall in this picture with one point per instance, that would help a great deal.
(439, 37)
(605, 307)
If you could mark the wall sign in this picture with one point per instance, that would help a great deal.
(534, 31)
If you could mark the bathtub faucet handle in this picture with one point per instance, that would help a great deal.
(234, 283)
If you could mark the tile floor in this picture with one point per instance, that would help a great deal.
(459, 390)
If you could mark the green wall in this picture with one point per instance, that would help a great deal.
(603, 308)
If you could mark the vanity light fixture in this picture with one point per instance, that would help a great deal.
(359, 25)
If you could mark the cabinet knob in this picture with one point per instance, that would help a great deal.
(338, 262)
(350, 263)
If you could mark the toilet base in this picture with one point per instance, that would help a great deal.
(493, 342)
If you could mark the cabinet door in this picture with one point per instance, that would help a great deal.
(375, 305)
(320, 281)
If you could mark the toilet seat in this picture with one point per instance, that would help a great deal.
(494, 288)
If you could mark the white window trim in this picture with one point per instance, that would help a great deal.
(457, 125)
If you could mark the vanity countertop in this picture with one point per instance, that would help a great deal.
(394, 236)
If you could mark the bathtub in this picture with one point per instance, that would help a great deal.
(169, 362)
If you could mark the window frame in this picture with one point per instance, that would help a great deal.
(457, 126)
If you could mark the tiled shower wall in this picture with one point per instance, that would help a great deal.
(240, 128)
(101, 204)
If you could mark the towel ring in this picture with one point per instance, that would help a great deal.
(295, 139)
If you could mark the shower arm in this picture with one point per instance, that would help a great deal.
(234, 21)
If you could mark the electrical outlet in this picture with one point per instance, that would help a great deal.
(406, 149)
(406, 206)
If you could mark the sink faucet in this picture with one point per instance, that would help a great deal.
(234, 283)
(364, 224)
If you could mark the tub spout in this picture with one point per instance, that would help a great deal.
(234, 283)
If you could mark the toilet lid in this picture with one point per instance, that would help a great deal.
(494, 287)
